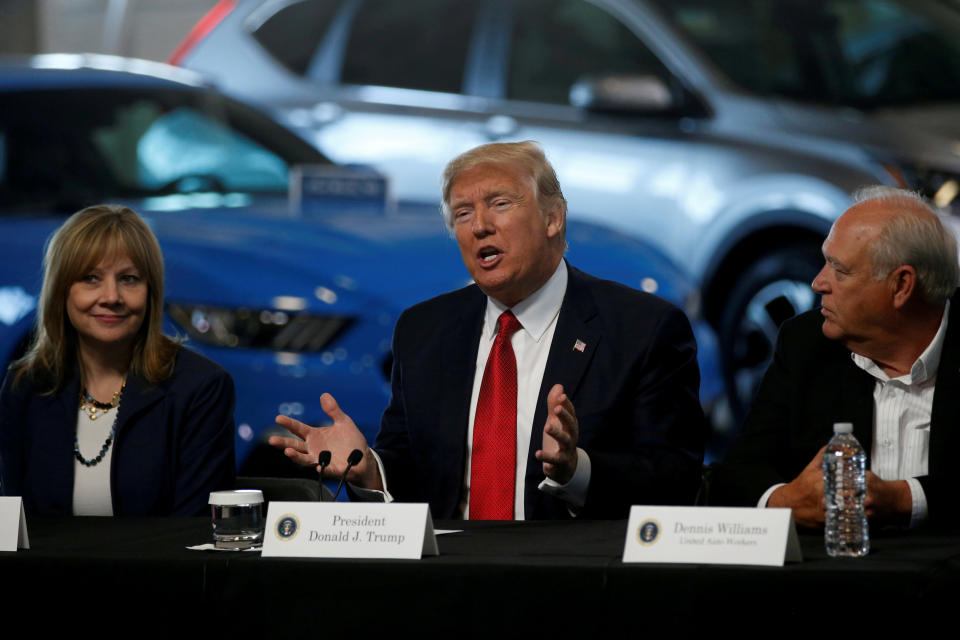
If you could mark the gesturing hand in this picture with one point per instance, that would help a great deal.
(560, 434)
(340, 438)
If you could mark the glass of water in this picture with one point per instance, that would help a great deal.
(237, 518)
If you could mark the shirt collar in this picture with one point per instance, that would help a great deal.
(926, 365)
(537, 311)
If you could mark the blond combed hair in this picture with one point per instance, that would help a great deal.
(526, 157)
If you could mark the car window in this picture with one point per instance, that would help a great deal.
(292, 34)
(421, 45)
(862, 53)
(72, 147)
(187, 145)
(556, 43)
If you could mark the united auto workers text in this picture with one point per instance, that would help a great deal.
(724, 533)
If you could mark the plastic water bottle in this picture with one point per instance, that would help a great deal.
(844, 489)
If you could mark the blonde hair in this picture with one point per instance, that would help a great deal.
(527, 157)
(82, 242)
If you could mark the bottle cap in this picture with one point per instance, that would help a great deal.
(843, 427)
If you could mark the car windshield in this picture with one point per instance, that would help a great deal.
(865, 54)
(66, 148)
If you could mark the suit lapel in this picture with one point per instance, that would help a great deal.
(945, 415)
(68, 401)
(59, 423)
(138, 395)
(856, 403)
(575, 342)
(458, 365)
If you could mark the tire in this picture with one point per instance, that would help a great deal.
(769, 291)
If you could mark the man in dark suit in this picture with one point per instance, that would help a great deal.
(883, 352)
(608, 373)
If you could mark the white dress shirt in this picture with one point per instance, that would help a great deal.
(901, 419)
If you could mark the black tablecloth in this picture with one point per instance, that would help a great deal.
(120, 577)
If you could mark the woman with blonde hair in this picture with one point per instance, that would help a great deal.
(105, 415)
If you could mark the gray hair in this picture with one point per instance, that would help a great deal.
(527, 157)
(915, 237)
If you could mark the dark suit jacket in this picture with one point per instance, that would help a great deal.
(174, 442)
(813, 383)
(634, 387)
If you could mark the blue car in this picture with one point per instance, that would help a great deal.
(294, 296)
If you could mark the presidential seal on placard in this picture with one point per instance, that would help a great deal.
(648, 532)
(287, 527)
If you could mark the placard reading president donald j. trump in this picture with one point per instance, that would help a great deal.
(348, 530)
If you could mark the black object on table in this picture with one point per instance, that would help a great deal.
(134, 577)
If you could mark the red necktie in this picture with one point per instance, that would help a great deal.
(494, 461)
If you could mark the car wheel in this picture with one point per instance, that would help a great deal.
(771, 290)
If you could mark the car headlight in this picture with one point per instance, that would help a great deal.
(258, 328)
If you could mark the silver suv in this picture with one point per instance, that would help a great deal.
(729, 132)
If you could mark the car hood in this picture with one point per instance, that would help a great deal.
(404, 258)
(376, 260)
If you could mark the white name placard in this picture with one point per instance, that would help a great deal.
(13, 525)
(711, 535)
(349, 530)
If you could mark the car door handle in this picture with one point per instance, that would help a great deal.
(500, 126)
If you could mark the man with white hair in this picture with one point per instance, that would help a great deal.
(880, 352)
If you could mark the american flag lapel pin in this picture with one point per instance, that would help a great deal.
(579, 345)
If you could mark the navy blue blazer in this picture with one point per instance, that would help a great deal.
(813, 383)
(634, 386)
(174, 444)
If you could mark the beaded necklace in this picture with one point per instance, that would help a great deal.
(94, 409)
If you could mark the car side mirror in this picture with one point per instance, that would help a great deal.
(624, 94)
